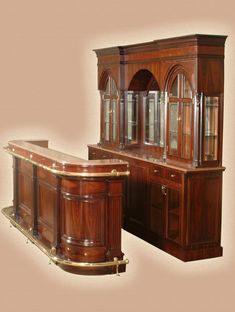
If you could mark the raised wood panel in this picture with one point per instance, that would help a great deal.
(83, 220)
(204, 209)
(46, 177)
(46, 204)
(25, 167)
(45, 233)
(25, 190)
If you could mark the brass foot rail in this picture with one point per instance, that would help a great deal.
(9, 214)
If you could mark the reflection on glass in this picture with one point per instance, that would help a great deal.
(107, 89)
(106, 119)
(180, 117)
(186, 130)
(175, 87)
(113, 87)
(154, 118)
(109, 100)
(150, 120)
(162, 119)
(132, 117)
(173, 126)
(114, 119)
(187, 91)
(150, 107)
(211, 128)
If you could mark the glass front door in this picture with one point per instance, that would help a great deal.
(180, 109)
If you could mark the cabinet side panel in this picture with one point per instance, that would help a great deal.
(204, 208)
(137, 194)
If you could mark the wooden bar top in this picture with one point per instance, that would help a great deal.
(143, 155)
(38, 153)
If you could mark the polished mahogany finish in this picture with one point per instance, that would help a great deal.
(168, 120)
(71, 208)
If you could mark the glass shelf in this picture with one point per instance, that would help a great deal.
(211, 113)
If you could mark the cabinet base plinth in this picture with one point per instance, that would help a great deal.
(192, 254)
(185, 254)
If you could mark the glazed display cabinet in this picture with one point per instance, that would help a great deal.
(161, 105)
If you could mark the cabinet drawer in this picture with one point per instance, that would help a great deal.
(173, 175)
(157, 171)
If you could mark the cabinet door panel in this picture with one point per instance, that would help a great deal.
(173, 214)
(157, 202)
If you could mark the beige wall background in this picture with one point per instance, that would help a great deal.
(48, 89)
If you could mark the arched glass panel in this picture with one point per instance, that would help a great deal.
(175, 87)
(180, 109)
(109, 108)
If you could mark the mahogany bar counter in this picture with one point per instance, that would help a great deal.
(70, 208)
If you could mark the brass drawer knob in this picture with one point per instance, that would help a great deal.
(155, 170)
(173, 175)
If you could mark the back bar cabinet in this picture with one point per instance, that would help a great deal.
(162, 111)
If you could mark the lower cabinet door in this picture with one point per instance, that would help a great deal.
(173, 204)
(137, 195)
(165, 204)
(157, 208)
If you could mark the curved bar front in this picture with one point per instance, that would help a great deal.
(70, 208)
